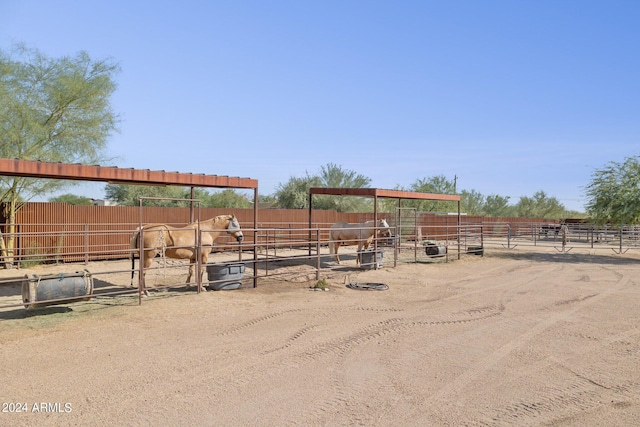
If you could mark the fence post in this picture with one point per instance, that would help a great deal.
(198, 262)
(621, 227)
(141, 283)
(317, 254)
(86, 244)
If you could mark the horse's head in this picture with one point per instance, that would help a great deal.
(385, 230)
(233, 228)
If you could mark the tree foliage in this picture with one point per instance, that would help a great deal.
(334, 176)
(227, 199)
(173, 196)
(472, 202)
(54, 110)
(613, 195)
(134, 195)
(495, 205)
(72, 199)
(294, 194)
(540, 206)
(437, 184)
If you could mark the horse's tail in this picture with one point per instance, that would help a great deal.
(133, 245)
(331, 243)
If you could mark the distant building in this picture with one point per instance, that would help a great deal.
(101, 202)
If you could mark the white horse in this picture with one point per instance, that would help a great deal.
(361, 234)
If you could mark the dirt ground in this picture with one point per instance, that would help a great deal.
(515, 338)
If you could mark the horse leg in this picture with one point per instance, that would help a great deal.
(335, 251)
(133, 268)
(192, 269)
(192, 263)
(133, 264)
(148, 257)
(203, 263)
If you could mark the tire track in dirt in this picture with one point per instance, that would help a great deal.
(336, 352)
(507, 286)
(580, 395)
(291, 341)
(255, 321)
(395, 325)
(577, 395)
(333, 351)
(271, 316)
(264, 359)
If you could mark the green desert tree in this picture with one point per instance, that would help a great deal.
(227, 198)
(496, 206)
(334, 176)
(55, 110)
(72, 199)
(174, 196)
(472, 202)
(540, 205)
(437, 184)
(613, 195)
(163, 196)
(294, 194)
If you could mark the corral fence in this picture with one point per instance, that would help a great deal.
(283, 245)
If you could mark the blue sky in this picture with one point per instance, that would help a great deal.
(510, 97)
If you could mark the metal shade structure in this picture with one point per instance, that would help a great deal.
(127, 176)
(115, 175)
(375, 193)
(378, 192)
(124, 176)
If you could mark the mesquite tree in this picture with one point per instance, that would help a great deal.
(54, 110)
(613, 196)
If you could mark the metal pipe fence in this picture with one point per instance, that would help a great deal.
(270, 253)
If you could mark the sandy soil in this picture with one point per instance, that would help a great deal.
(515, 337)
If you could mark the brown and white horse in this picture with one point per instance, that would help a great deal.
(181, 242)
(362, 234)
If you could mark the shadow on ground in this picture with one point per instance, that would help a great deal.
(566, 257)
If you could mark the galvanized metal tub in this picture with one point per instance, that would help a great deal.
(64, 288)
(225, 276)
(370, 259)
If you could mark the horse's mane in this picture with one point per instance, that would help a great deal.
(212, 221)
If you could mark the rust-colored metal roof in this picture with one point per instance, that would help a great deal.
(115, 175)
(378, 192)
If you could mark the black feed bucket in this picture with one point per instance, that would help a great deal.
(225, 276)
(434, 250)
(63, 287)
(475, 250)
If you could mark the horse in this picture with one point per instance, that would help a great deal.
(361, 234)
(181, 242)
